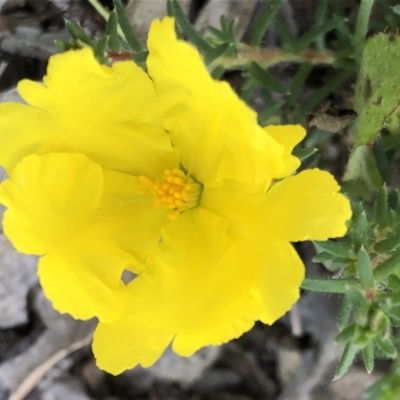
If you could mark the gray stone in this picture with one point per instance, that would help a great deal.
(63, 336)
(184, 369)
(142, 12)
(17, 277)
(65, 388)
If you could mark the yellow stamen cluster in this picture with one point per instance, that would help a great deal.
(176, 191)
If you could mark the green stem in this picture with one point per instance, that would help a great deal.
(105, 14)
(100, 9)
(329, 285)
(266, 58)
(364, 12)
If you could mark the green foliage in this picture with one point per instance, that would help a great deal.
(365, 273)
(387, 388)
(346, 360)
(377, 93)
(362, 169)
(369, 261)
(270, 10)
(126, 27)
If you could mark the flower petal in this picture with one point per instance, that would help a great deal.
(122, 93)
(217, 133)
(84, 292)
(302, 207)
(91, 224)
(308, 206)
(50, 199)
(282, 274)
(288, 136)
(109, 113)
(194, 291)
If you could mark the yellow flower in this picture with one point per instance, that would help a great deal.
(171, 178)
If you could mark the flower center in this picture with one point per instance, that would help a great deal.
(176, 191)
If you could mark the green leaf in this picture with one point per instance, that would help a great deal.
(126, 27)
(346, 335)
(382, 207)
(386, 346)
(361, 30)
(387, 245)
(320, 18)
(217, 33)
(337, 249)
(392, 299)
(215, 53)
(100, 50)
(299, 81)
(323, 257)
(393, 199)
(393, 284)
(346, 360)
(284, 33)
(378, 320)
(188, 29)
(112, 24)
(360, 232)
(249, 87)
(357, 298)
(141, 57)
(264, 20)
(368, 356)
(344, 313)
(396, 9)
(316, 32)
(304, 153)
(114, 44)
(362, 339)
(224, 24)
(319, 95)
(170, 10)
(362, 166)
(382, 162)
(231, 32)
(78, 33)
(112, 32)
(265, 79)
(394, 314)
(329, 285)
(269, 112)
(388, 267)
(377, 93)
(365, 269)
(65, 46)
(218, 72)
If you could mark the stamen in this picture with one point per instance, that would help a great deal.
(176, 191)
